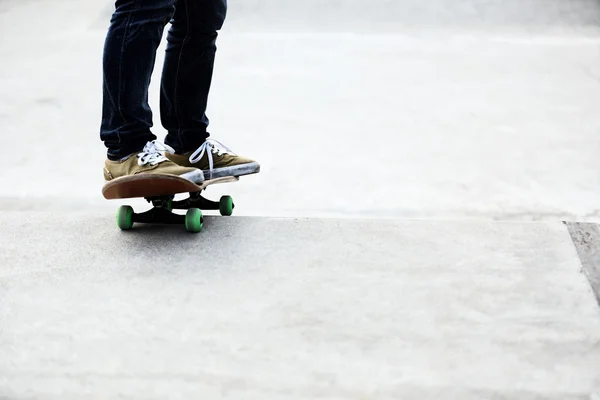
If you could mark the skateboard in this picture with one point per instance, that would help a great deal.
(160, 190)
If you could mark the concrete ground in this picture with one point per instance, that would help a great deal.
(404, 239)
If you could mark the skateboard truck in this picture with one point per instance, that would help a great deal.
(160, 212)
(224, 205)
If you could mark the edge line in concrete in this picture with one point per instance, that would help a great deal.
(586, 237)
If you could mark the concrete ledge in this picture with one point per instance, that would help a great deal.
(586, 237)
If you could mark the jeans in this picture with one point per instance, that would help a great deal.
(135, 32)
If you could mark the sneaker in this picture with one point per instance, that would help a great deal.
(150, 161)
(216, 160)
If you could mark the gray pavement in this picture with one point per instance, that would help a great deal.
(520, 16)
(404, 238)
(295, 308)
(450, 121)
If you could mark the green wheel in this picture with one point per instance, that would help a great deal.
(193, 220)
(125, 217)
(170, 205)
(226, 205)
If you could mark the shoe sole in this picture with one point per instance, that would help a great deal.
(235, 170)
(194, 176)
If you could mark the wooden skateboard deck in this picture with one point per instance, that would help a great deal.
(160, 190)
(154, 185)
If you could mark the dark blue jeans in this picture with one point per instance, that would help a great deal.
(135, 32)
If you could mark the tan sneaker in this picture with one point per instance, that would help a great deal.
(150, 161)
(216, 160)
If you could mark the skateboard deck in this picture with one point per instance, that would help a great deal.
(160, 190)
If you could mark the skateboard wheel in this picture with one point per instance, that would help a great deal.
(226, 205)
(193, 220)
(170, 205)
(125, 217)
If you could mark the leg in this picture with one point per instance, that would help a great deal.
(186, 79)
(188, 70)
(134, 34)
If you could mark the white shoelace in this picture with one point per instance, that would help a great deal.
(152, 153)
(215, 147)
